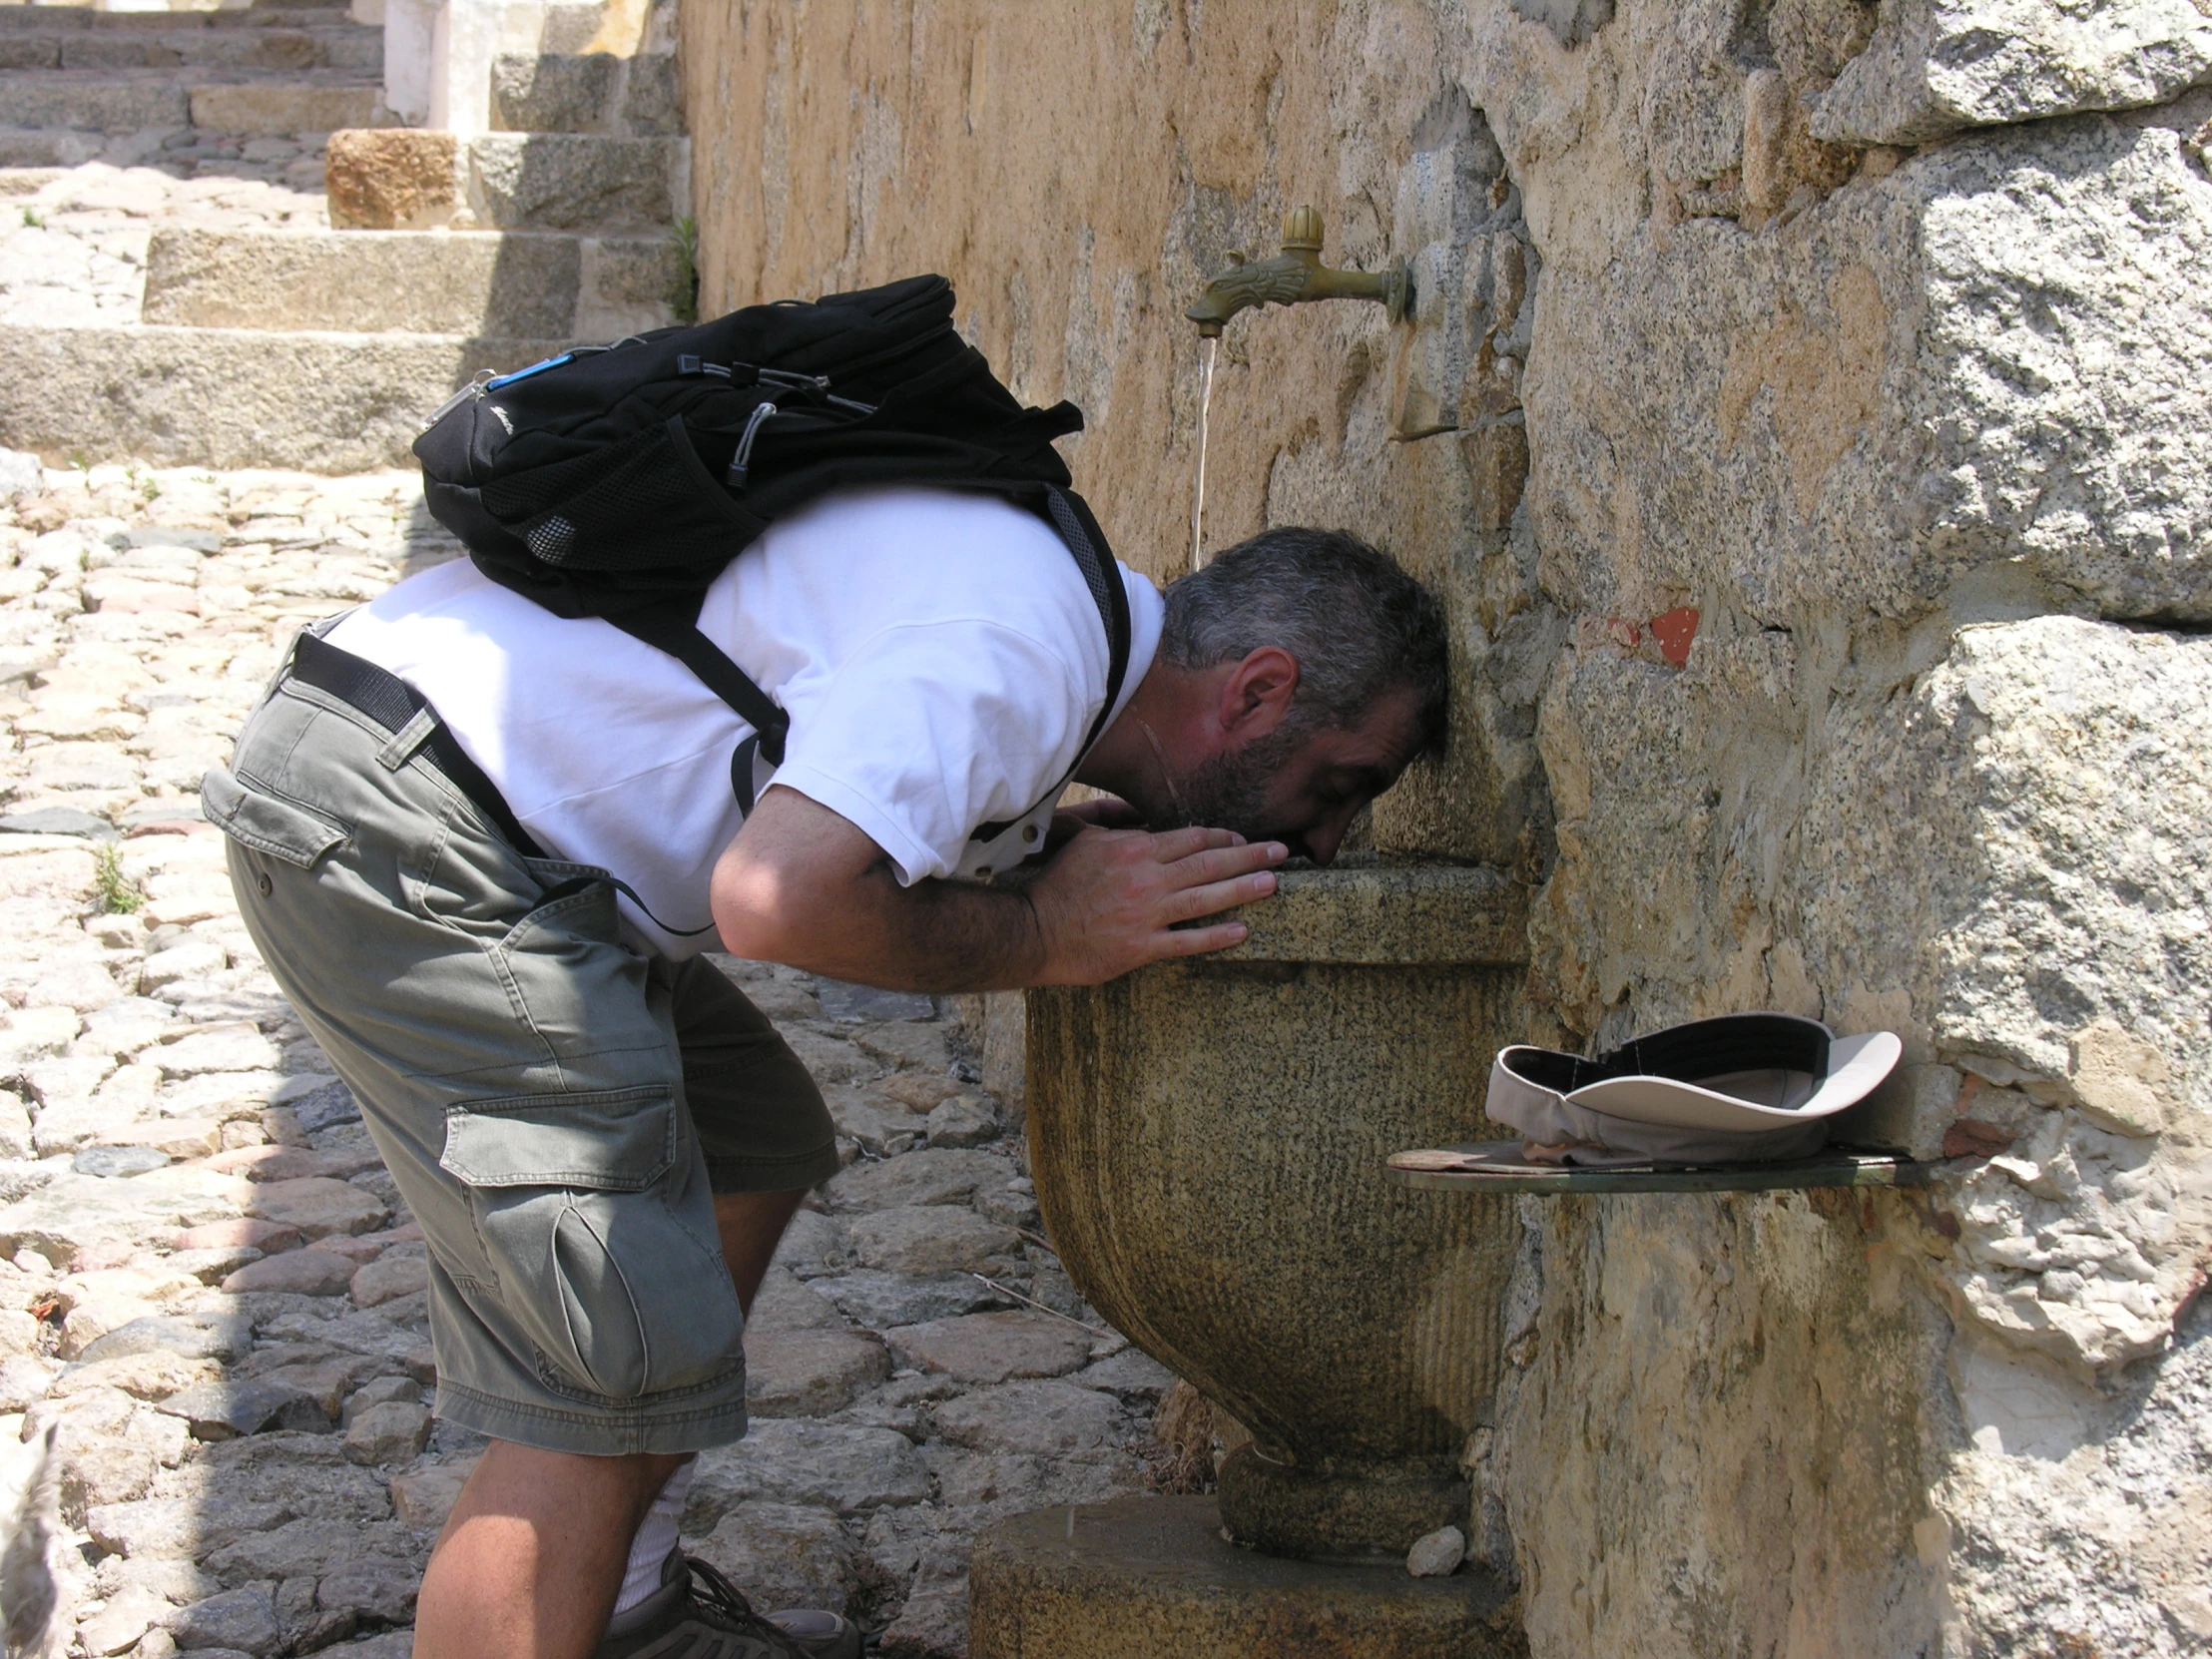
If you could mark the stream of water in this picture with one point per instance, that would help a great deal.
(1207, 345)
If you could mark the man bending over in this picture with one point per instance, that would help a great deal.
(481, 847)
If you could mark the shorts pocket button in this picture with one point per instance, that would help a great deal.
(262, 883)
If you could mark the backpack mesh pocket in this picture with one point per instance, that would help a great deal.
(644, 503)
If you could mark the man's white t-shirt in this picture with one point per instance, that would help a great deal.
(939, 655)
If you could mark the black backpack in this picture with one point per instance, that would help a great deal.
(617, 481)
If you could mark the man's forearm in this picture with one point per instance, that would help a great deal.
(803, 885)
(940, 936)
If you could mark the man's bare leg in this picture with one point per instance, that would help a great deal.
(751, 1224)
(531, 1559)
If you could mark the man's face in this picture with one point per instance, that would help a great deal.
(1304, 788)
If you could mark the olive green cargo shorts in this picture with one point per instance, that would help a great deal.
(557, 1110)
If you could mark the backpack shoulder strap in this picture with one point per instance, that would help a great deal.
(676, 631)
(1071, 516)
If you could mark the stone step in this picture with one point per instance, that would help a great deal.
(529, 283)
(321, 46)
(590, 92)
(234, 397)
(574, 181)
(15, 18)
(127, 101)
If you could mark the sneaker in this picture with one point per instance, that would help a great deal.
(697, 1613)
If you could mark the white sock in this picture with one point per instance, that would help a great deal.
(656, 1537)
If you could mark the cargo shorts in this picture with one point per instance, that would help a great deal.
(557, 1109)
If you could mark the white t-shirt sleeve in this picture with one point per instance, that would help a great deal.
(930, 730)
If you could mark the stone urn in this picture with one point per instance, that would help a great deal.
(1208, 1140)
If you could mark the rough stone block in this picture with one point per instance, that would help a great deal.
(300, 1271)
(91, 102)
(631, 282)
(993, 1347)
(233, 397)
(219, 1410)
(935, 1239)
(180, 1528)
(1144, 1576)
(653, 96)
(1936, 66)
(267, 1237)
(561, 181)
(390, 1434)
(318, 1207)
(1037, 1420)
(374, 1587)
(553, 92)
(380, 1391)
(785, 1555)
(242, 1620)
(272, 108)
(810, 1373)
(1957, 294)
(455, 284)
(821, 1466)
(917, 1178)
(213, 1335)
(390, 1278)
(964, 1120)
(390, 178)
(881, 1300)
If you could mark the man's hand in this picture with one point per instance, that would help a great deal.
(803, 885)
(1111, 900)
(1107, 812)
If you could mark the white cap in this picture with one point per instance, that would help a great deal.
(1726, 1090)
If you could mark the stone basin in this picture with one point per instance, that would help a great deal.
(1208, 1140)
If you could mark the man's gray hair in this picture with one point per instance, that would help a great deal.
(1360, 627)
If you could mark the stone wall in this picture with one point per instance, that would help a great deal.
(1807, 421)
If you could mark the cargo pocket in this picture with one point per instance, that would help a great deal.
(267, 822)
(602, 1242)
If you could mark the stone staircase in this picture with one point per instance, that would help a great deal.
(308, 328)
(78, 85)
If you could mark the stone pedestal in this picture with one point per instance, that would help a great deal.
(1152, 1578)
(1209, 1142)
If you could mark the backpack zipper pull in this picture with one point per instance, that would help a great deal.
(475, 388)
(734, 477)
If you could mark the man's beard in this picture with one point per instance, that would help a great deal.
(1230, 791)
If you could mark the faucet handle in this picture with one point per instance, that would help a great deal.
(1301, 231)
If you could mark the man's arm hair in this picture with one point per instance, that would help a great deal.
(803, 885)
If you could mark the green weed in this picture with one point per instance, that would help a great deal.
(684, 298)
(119, 894)
(33, 219)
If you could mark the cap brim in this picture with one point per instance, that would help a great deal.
(1856, 1066)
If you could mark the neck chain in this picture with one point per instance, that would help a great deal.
(1166, 777)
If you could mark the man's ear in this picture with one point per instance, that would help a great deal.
(1258, 694)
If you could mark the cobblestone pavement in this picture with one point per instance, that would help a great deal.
(210, 1289)
(73, 239)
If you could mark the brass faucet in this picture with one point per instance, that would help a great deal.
(1295, 276)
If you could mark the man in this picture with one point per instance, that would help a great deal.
(481, 846)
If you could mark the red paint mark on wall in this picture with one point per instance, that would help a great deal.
(1674, 632)
(1622, 634)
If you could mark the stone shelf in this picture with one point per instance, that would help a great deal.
(1498, 1167)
